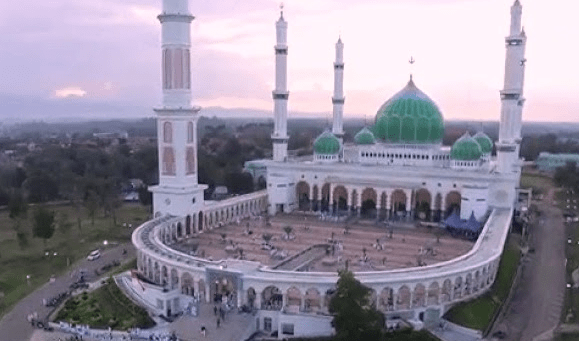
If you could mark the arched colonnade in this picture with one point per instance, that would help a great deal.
(224, 212)
(314, 298)
(380, 203)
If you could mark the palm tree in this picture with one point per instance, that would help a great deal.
(288, 230)
(266, 237)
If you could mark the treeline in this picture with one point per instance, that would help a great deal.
(98, 176)
(567, 176)
(80, 174)
(532, 145)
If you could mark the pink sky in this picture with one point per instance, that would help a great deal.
(106, 50)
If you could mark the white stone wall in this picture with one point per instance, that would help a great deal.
(474, 199)
(396, 292)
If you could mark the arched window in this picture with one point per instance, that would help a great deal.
(168, 161)
(167, 132)
(190, 133)
(190, 160)
(178, 68)
(167, 70)
(187, 69)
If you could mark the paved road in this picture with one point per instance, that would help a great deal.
(537, 301)
(14, 325)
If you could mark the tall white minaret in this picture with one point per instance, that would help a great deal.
(281, 93)
(178, 192)
(512, 94)
(338, 97)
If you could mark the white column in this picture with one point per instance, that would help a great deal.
(338, 97)
(331, 203)
(257, 302)
(512, 99)
(281, 93)
(196, 287)
(178, 192)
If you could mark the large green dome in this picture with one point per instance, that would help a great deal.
(465, 149)
(485, 142)
(409, 117)
(327, 143)
(364, 136)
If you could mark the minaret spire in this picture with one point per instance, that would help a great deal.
(338, 97)
(516, 17)
(281, 93)
(512, 99)
(178, 192)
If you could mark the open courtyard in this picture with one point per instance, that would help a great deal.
(298, 242)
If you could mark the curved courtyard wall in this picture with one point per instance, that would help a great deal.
(398, 291)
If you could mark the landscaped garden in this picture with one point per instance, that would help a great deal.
(75, 235)
(104, 307)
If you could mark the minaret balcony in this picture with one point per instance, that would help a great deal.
(175, 17)
(338, 100)
(511, 94)
(280, 95)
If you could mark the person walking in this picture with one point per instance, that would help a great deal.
(218, 322)
(215, 310)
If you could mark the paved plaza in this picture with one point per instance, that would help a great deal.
(365, 245)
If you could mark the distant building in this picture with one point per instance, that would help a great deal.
(548, 162)
(111, 136)
(220, 193)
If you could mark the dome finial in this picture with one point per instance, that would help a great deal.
(281, 10)
(411, 62)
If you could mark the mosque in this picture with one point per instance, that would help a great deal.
(396, 171)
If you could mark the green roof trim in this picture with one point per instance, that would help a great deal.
(466, 148)
(411, 117)
(327, 143)
(364, 136)
(485, 142)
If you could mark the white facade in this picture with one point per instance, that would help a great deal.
(413, 178)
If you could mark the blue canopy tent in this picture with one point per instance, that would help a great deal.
(468, 228)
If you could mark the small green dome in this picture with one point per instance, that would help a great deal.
(327, 143)
(364, 136)
(485, 142)
(466, 149)
(410, 116)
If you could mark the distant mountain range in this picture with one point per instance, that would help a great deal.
(15, 109)
(18, 109)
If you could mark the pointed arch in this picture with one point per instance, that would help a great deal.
(167, 132)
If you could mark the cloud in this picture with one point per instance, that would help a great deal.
(69, 92)
(458, 44)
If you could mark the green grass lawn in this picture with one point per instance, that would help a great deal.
(105, 307)
(567, 337)
(539, 183)
(478, 313)
(17, 262)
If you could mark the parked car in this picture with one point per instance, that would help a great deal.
(96, 254)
